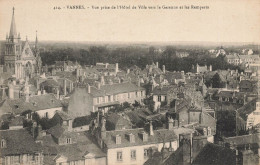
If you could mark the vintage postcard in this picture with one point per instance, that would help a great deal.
(129, 82)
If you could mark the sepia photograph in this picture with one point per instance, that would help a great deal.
(129, 82)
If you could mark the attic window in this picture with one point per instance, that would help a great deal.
(3, 143)
(16, 106)
(52, 100)
(118, 139)
(131, 138)
(145, 136)
(34, 104)
(68, 140)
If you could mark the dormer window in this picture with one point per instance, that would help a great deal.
(132, 138)
(118, 139)
(145, 137)
(68, 140)
(3, 143)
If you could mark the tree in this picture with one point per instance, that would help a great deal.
(216, 81)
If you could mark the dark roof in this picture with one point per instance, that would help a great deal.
(36, 102)
(63, 115)
(159, 135)
(244, 139)
(50, 83)
(18, 142)
(80, 121)
(248, 108)
(17, 121)
(56, 131)
(215, 155)
(120, 88)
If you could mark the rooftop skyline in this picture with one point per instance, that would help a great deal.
(232, 21)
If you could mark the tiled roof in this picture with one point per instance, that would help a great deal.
(18, 142)
(158, 137)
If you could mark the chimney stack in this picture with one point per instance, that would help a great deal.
(163, 68)
(65, 87)
(157, 65)
(11, 91)
(89, 89)
(151, 128)
(27, 91)
(170, 123)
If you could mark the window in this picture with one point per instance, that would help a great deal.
(133, 154)
(118, 139)
(141, 93)
(159, 98)
(68, 140)
(46, 114)
(132, 138)
(136, 94)
(145, 153)
(3, 143)
(119, 156)
(109, 98)
(129, 95)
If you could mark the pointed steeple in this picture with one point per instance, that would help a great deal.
(13, 33)
(36, 42)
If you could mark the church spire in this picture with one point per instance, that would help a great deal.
(36, 41)
(13, 33)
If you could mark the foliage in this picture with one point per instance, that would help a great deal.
(149, 103)
(139, 56)
(226, 123)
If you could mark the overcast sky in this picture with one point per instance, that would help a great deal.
(232, 21)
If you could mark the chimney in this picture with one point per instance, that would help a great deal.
(98, 85)
(58, 93)
(139, 82)
(151, 129)
(43, 92)
(128, 71)
(170, 123)
(89, 89)
(157, 65)
(106, 65)
(37, 84)
(11, 91)
(27, 91)
(116, 67)
(210, 68)
(70, 125)
(103, 128)
(163, 68)
(38, 92)
(65, 87)
(102, 80)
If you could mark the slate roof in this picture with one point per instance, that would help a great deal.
(50, 83)
(36, 102)
(246, 109)
(215, 155)
(120, 88)
(158, 137)
(18, 142)
(56, 131)
(244, 139)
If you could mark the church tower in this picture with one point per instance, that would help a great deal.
(19, 58)
(13, 47)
